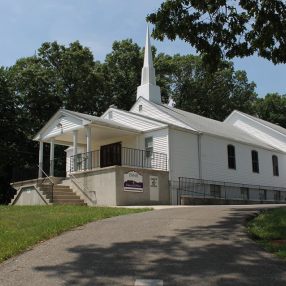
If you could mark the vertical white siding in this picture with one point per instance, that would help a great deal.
(215, 163)
(184, 155)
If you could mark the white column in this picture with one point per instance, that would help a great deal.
(75, 139)
(52, 156)
(88, 147)
(41, 155)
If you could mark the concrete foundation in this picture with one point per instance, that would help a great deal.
(107, 185)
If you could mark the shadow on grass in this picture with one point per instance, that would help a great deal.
(217, 254)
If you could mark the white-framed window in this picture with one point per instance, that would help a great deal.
(140, 108)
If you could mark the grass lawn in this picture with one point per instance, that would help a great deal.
(23, 226)
(269, 228)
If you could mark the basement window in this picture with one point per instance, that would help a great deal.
(215, 191)
(244, 193)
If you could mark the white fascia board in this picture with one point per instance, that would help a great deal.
(115, 126)
(140, 116)
(253, 119)
(55, 117)
(154, 105)
(271, 148)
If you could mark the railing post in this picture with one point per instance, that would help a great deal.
(41, 155)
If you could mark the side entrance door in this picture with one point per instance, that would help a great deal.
(110, 155)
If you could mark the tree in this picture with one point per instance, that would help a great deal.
(272, 108)
(213, 95)
(225, 29)
(122, 68)
(11, 135)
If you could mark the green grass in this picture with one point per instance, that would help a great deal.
(269, 228)
(23, 226)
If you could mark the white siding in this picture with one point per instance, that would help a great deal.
(132, 121)
(184, 155)
(264, 133)
(126, 141)
(152, 112)
(160, 141)
(68, 123)
(215, 163)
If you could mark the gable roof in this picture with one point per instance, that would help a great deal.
(86, 120)
(211, 126)
(273, 126)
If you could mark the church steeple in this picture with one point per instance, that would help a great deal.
(148, 88)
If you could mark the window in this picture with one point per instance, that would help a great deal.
(215, 191)
(277, 195)
(275, 165)
(263, 195)
(110, 115)
(140, 108)
(244, 193)
(231, 157)
(255, 162)
(149, 146)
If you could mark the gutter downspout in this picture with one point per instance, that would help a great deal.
(200, 155)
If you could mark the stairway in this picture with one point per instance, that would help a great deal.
(62, 195)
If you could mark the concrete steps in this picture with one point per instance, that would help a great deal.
(62, 195)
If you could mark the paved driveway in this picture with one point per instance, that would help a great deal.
(179, 246)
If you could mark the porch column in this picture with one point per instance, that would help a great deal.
(41, 155)
(75, 139)
(88, 147)
(52, 156)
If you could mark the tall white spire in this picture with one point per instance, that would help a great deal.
(148, 88)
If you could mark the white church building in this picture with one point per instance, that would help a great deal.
(157, 154)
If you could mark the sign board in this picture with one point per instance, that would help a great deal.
(154, 188)
(133, 182)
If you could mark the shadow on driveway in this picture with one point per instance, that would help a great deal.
(215, 254)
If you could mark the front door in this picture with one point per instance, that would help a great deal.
(110, 155)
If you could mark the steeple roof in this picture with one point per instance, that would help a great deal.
(148, 88)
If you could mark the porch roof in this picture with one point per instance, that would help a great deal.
(62, 124)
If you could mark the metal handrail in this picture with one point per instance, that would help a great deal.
(185, 180)
(82, 188)
(196, 187)
(52, 183)
(129, 157)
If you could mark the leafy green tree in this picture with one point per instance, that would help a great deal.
(272, 108)
(123, 72)
(214, 95)
(225, 29)
(11, 135)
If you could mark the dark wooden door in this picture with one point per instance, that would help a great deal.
(110, 155)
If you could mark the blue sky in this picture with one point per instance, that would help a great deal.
(26, 24)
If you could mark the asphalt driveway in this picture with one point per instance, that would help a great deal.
(178, 246)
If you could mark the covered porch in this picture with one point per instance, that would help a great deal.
(94, 143)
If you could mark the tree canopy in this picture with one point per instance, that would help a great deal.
(59, 76)
(220, 29)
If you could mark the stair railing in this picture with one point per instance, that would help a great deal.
(43, 180)
(82, 188)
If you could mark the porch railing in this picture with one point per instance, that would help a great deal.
(127, 157)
